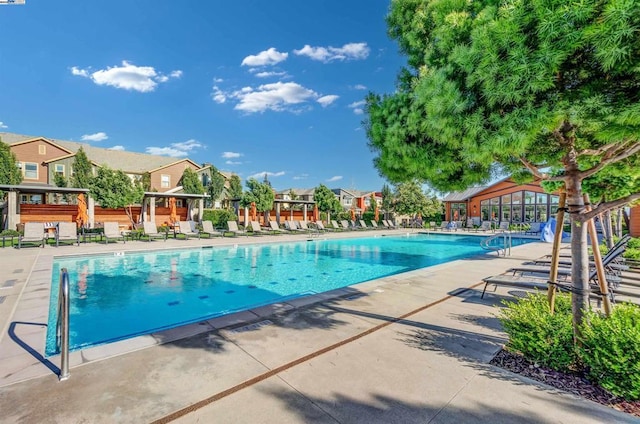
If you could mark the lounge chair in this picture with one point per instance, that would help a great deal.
(486, 226)
(67, 231)
(275, 228)
(444, 225)
(504, 226)
(33, 233)
(232, 227)
(533, 229)
(364, 225)
(150, 231)
(188, 229)
(207, 228)
(304, 227)
(375, 225)
(112, 231)
(292, 227)
(336, 226)
(345, 225)
(470, 225)
(541, 275)
(256, 230)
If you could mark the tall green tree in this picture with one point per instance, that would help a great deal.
(9, 172)
(326, 200)
(387, 200)
(521, 87)
(235, 187)
(190, 182)
(260, 193)
(215, 188)
(114, 189)
(146, 181)
(410, 199)
(82, 170)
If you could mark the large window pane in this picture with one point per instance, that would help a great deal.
(516, 213)
(516, 198)
(529, 213)
(541, 198)
(529, 197)
(541, 213)
(506, 213)
(506, 199)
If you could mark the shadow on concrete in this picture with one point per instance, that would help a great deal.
(29, 349)
(385, 409)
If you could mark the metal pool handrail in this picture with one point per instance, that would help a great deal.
(62, 325)
(507, 243)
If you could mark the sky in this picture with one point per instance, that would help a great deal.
(253, 87)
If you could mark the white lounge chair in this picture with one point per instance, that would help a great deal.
(292, 227)
(234, 229)
(67, 231)
(188, 229)
(112, 231)
(345, 225)
(335, 226)
(33, 233)
(256, 230)
(207, 228)
(150, 230)
(275, 228)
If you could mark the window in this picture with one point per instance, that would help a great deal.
(484, 210)
(165, 181)
(42, 149)
(30, 170)
(59, 169)
(458, 212)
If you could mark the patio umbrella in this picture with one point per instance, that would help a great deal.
(353, 214)
(83, 218)
(173, 214)
(316, 216)
(376, 216)
(254, 211)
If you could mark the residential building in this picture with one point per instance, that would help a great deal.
(504, 200)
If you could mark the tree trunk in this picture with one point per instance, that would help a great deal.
(579, 253)
(619, 222)
(625, 215)
(608, 229)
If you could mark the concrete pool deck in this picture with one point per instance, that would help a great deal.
(412, 347)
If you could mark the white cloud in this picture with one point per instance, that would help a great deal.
(117, 148)
(360, 87)
(301, 177)
(127, 76)
(334, 178)
(260, 175)
(264, 58)
(218, 95)
(270, 74)
(357, 107)
(350, 51)
(2, 125)
(278, 96)
(79, 72)
(231, 155)
(99, 136)
(187, 145)
(175, 150)
(327, 100)
(231, 162)
(218, 80)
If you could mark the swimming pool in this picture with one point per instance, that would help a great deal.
(122, 295)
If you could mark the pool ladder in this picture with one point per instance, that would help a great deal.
(62, 325)
(506, 247)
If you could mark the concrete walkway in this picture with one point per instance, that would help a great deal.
(411, 348)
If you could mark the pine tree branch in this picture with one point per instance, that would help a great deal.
(599, 151)
(612, 155)
(534, 169)
(605, 206)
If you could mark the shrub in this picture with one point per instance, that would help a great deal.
(219, 217)
(634, 243)
(9, 233)
(610, 350)
(541, 337)
(632, 253)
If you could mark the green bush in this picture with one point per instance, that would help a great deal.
(219, 217)
(632, 253)
(9, 233)
(610, 349)
(541, 337)
(634, 243)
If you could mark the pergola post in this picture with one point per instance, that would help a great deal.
(91, 211)
(13, 211)
(278, 213)
(305, 212)
(200, 209)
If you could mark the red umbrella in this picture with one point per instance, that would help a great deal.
(376, 216)
(353, 214)
(316, 216)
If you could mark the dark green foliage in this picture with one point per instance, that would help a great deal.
(82, 170)
(59, 180)
(634, 243)
(215, 188)
(190, 182)
(9, 172)
(219, 217)
(387, 199)
(146, 181)
(409, 199)
(541, 337)
(114, 189)
(260, 193)
(610, 349)
(7, 233)
(235, 187)
(326, 200)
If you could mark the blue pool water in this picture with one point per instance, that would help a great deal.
(115, 297)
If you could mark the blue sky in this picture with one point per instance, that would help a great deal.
(250, 86)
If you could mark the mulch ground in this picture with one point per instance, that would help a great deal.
(573, 383)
